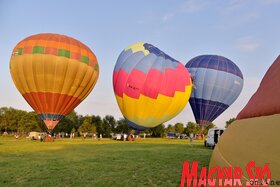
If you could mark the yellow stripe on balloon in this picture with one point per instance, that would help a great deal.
(48, 73)
(144, 111)
(138, 47)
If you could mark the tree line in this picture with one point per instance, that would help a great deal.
(20, 121)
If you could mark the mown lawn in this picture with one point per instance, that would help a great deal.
(145, 162)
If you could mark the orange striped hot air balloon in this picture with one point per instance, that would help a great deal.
(54, 73)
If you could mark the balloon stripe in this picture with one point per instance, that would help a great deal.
(198, 63)
(38, 50)
(63, 46)
(45, 69)
(57, 52)
(136, 77)
(45, 116)
(212, 107)
(50, 105)
(53, 41)
(216, 89)
(166, 107)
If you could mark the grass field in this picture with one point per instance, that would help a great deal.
(145, 162)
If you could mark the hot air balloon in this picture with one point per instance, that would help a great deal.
(217, 84)
(150, 86)
(254, 135)
(54, 73)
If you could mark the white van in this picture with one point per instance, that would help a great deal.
(117, 137)
(213, 137)
(35, 135)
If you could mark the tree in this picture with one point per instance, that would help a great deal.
(170, 128)
(19, 121)
(86, 126)
(28, 122)
(229, 122)
(192, 128)
(122, 126)
(97, 122)
(73, 130)
(205, 130)
(158, 131)
(67, 123)
(109, 125)
(179, 128)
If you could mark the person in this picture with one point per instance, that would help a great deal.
(100, 136)
(93, 136)
(191, 138)
(85, 136)
(16, 136)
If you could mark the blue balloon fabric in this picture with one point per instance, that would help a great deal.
(217, 84)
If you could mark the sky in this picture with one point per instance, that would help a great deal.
(245, 31)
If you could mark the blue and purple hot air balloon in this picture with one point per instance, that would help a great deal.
(217, 84)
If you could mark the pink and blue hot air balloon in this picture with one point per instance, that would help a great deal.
(217, 84)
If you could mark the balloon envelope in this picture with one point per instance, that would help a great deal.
(217, 84)
(54, 73)
(150, 86)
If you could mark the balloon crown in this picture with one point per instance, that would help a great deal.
(157, 51)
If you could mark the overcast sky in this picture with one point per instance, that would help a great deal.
(245, 31)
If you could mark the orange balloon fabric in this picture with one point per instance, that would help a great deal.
(54, 73)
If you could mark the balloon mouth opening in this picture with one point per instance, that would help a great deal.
(203, 123)
(50, 124)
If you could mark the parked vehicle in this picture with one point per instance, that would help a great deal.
(213, 137)
(173, 135)
(36, 135)
(117, 137)
(183, 136)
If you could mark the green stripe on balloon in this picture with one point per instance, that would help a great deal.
(38, 50)
(20, 50)
(63, 52)
(84, 59)
(96, 67)
(60, 52)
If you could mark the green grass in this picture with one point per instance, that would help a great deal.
(145, 162)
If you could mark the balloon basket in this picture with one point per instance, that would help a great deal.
(49, 138)
(130, 137)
